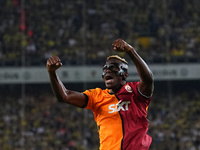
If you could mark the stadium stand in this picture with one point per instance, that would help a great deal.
(164, 31)
(81, 32)
(46, 124)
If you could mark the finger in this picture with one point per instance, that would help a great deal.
(51, 60)
(58, 63)
(56, 59)
(122, 46)
(115, 42)
(47, 61)
(116, 45)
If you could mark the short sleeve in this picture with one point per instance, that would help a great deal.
(140, 96)
(91, 94)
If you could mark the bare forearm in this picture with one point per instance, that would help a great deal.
(146, 85)
(142, 68)
(57, 86)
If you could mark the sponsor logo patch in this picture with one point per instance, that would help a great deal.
(120, 106)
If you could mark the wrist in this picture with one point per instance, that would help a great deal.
(51, 71)
(129, 49)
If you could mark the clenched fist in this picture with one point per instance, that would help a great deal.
(121, 46)
(53, 63)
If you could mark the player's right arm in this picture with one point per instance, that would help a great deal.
(61, 93)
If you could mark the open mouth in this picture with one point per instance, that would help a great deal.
(108, 77)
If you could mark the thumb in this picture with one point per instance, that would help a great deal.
(58, 64)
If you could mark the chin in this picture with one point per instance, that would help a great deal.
(109, 86)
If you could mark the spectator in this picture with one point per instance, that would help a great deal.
(58, 25)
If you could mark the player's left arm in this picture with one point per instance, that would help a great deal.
(146, 85)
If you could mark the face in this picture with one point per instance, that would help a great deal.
(112, 80)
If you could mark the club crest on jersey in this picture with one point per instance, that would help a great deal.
(128, 88)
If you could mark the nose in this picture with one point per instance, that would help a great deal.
(108, 70)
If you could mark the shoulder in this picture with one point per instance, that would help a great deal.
(130, 87)
(94, 96)
(94, 92)
(133, 84)
(135, 87)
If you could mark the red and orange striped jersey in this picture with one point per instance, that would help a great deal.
(121, 117)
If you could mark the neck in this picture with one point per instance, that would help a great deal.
(115, 90)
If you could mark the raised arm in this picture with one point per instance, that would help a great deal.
(146, 85)
(61, 93)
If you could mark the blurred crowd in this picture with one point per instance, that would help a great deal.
(36, 121)
(82, 31)
(175, 123)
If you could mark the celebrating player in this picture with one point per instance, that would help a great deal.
(120, 110)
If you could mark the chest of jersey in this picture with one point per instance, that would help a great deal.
(120, 116)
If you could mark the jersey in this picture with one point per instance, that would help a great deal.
(121, 117)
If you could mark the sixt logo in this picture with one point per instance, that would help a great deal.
(119, 106)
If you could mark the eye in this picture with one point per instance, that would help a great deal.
(111, 67)
(105, 68)
(114, 68)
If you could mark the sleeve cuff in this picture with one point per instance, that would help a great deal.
(144, 95)
(86, 101)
